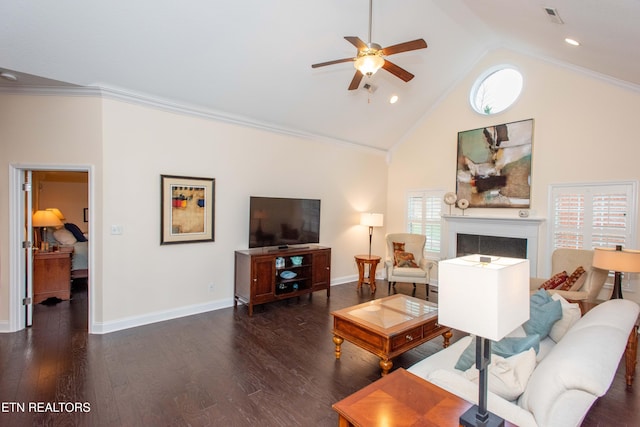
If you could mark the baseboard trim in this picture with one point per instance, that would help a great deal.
(5, 327)
(159, 316)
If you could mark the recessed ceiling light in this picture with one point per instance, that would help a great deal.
(393, 99)
(8, 76)
(572, 42)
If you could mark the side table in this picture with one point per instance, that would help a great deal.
(404, 399)
(372, 261)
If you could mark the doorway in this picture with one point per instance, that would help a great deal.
(38, 274)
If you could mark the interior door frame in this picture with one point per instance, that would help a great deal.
(17, 227)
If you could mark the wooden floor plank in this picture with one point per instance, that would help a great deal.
(218, 368)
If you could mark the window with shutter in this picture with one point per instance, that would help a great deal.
(587, 216)
(424, 210)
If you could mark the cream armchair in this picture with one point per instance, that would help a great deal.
(414, 245)
(568, 260)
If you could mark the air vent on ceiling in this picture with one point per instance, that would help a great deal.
(553, 15)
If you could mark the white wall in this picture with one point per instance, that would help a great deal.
(141, 277)
(136, 279)
(585, 130)
(44, 130)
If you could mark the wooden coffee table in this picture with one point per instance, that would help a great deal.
(388, 327)
(401, 399)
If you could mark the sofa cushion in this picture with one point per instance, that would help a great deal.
(507, 377)
(544, 312)
(467, 390)
(506, 347)
(570, 315)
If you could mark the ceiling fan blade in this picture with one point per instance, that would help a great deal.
(356, 42)
(337, 61)
(404, 47)
(401, 73)
(357, 78)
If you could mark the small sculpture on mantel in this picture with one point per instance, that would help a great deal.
(450, 199)
(463, 204)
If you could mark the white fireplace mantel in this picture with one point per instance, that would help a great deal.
(522, 228)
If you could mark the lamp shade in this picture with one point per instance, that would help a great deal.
(368, 64)
(487, 299)
(44, 218)
(57, 213)
(371, 219)
(625, 260)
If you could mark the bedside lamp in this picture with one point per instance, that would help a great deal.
(43, 219)
(619, 261)
(488, 297)
(57, 213)
(371, 220)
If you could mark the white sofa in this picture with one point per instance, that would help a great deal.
(568, 377)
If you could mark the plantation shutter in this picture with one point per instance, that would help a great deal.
(593, 215)
(424, 210)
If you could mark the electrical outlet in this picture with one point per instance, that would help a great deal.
(211, 287)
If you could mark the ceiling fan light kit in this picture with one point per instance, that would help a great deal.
(368, 63)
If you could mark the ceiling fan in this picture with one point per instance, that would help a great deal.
(370, 57)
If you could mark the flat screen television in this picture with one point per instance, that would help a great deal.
(281, 222)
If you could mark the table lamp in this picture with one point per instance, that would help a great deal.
(43, 219)
(57, 213)
(371, 220)
(486, 296)
(619, 261)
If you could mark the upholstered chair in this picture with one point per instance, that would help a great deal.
(569, 260)
(405, 261)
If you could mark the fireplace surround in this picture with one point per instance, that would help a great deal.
(517, 228)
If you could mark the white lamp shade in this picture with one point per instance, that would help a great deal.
(44, 218)
(371, 219)
(625, 261)
(484, 299)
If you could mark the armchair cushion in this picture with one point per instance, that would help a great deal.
(405, 259)
(576, 280)
(555, 281)
(397, 247)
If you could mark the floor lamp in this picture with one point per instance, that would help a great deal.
(619, 261)
(487, 297)
(371, 220)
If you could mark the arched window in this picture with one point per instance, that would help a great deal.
(496, 90)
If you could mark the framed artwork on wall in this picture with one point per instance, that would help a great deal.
(494, 165)
(187, 209)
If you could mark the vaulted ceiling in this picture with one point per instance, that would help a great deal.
(250, 60)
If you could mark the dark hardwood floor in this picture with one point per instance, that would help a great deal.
(220, 368)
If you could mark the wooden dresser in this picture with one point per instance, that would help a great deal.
(51, 276)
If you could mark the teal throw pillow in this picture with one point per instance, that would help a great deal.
(544, 312)
(506, 347)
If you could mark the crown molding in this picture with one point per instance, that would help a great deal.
(148, 101)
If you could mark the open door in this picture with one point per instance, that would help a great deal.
(27, 244)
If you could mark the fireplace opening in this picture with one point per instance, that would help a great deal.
(468, 244)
